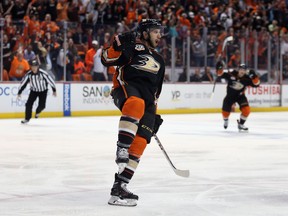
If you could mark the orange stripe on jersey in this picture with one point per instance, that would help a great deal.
(110, 55)
(124, 90)
(114, 80)
(118, 79)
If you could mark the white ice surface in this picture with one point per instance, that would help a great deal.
(65, 166)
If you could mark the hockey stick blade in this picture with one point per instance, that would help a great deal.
(228, 39)
(182, 173)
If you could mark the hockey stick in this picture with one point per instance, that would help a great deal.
(227, 39)
(182, 173)
(212, 94)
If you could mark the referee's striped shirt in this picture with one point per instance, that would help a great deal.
(38, 82)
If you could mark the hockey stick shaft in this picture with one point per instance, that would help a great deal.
(213, 90)
(182, 173)
(227, 39)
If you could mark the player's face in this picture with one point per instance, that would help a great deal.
(241, 72)
(155, 37)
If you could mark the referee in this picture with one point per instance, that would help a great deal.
(39, 80)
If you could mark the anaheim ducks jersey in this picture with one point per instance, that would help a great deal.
(237, 85)
(138, 66)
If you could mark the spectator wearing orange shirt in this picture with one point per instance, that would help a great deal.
(235, 59)
(184, 20)
(89, 60)
(131, 16)
(107, 42)
(79, 67)
(19, 66)
(33, 23)
(48, 25)
(62, 10)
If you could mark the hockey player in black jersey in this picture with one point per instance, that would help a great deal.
(137, 85)
(39, 80)
(237, 80)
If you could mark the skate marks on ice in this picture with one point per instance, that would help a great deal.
(261, 126)
(252, 198)
(235, 133)
(65, 167)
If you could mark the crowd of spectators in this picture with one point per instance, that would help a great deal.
(37, 28)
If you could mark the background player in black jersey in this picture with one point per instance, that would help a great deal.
(39, 80)
(237, 80)
(137, 85)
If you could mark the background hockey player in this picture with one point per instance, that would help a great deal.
(237, 80)
(39, 80)
(137, 85)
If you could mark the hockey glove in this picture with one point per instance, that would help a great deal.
(220, 68)
(252, 74)
(157, 123)
(219, 65)
(121, 40)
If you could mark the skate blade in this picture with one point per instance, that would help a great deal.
(114, 200)
(243, 131)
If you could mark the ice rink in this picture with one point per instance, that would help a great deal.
(65, 166)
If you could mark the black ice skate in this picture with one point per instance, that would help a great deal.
(241, 127)
(120, 195)
(25, 121)
(226, 122)
(37, 115)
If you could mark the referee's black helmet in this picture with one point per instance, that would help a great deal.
(34, 62)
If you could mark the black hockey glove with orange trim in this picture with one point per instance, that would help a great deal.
(157, 123)
(122, 40)
(220, 67)
(252, 74)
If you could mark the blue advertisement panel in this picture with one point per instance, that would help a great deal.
(67, 99)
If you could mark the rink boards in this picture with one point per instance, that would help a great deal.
(85, 99)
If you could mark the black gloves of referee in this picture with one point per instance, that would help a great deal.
(157, 123)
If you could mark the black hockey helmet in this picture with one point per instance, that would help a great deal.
(242, 66)
(147, 24)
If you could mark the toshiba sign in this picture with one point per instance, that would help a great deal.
(264, 90)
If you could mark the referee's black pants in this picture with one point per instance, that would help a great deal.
(31, 99)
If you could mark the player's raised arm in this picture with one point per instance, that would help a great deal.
(122, 50)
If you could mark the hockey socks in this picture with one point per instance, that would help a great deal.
(126, 134)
